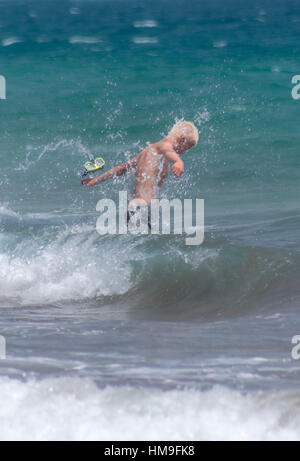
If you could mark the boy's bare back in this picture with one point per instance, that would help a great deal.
(151, 169)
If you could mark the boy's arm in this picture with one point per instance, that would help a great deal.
(117, 171)
(172, 156)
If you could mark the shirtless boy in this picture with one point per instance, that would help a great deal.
(151, 166)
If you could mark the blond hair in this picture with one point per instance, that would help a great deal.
(186, 129)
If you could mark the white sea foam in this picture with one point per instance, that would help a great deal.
(77, 39)
(76, 409)
(276, 69)
(144, 40)
(11, 41)
(69, 268)
(6, 211)
(219, 44)
(145, 23)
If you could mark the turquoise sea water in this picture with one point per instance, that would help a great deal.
(121, 321)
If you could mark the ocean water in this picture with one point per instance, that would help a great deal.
(141, 336)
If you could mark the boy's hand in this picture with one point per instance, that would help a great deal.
(178, 168)
(88, 182)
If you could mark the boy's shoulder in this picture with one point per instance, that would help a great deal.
(163, 146)
(159, 147)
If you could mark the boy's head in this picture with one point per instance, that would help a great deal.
(185, 134)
